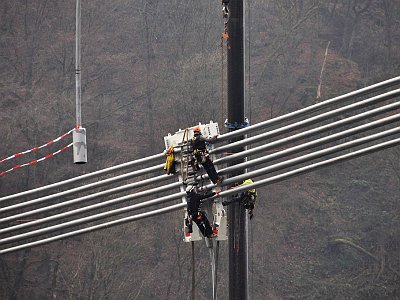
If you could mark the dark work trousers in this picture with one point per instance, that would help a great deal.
(199, 216)
(202, 222)
(208, 166)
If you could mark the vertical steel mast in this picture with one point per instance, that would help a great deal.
(78, 64)
(238, 230)
(79, 134)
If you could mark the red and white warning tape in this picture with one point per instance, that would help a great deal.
(37, 148)
(33, 162)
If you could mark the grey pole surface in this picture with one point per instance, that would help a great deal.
(79, 134)
(361, 92)
(310, 121)
(85, 176)
(96, 227)
(270, 180)
(238, 246)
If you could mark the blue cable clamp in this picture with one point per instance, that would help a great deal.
(237, 125)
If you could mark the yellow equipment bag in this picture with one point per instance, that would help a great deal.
(169, 166)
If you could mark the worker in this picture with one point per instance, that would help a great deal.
(169, 166)
(195, 213)
(248, 198)
(225, 10)
(199, 147)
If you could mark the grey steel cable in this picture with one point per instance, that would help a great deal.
(224, 171)
(83, 188)
(310, 132)
(309, 121)
(369, 89)
(314, 143)
(83, 199)
(91, 218)
(304, 134)
(243, 165)
(96, 227)
(85, 176)
(259, 172)
(308, 168)
(226, 147)
(360, 92)
(220, 138)
(304, 158)
(92, 207)
(236, 190)
(298, 160)
(224, 137)
(156, 167)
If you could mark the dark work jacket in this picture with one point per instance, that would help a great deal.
(194, 202)
(200, 142)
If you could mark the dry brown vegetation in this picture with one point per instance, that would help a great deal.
(150, 67)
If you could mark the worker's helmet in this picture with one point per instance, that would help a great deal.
(197, 130)
(170, 150)
(190, 189)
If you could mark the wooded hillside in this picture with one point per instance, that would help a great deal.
(151, 67)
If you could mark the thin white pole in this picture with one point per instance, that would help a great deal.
(78, 64)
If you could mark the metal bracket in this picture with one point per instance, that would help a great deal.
(237, 125)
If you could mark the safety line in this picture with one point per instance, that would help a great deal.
(35, 161)
(37, 148)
